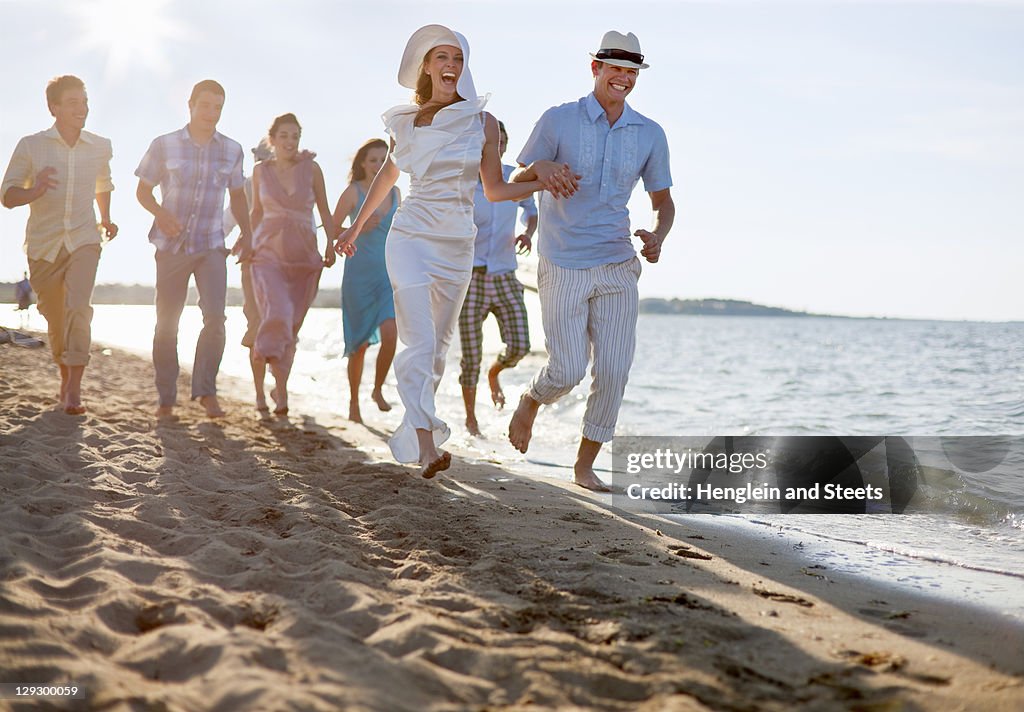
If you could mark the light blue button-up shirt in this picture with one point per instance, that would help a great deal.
(592, 227)
(496, 228)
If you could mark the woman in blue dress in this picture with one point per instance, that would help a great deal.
(367, 302)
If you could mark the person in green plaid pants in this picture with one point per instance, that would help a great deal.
(494, 289)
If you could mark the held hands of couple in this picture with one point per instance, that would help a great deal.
(557, 178)
(242, 248)
(347, 238)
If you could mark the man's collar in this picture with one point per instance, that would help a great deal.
(595, 111)
(53, 133)
(184, 135)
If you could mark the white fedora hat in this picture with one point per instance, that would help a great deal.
(422, 41)
(622, 50)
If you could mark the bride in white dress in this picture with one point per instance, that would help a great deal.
(443, 140)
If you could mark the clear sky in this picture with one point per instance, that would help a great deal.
(862, 158)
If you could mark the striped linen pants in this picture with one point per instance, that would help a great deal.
(588, 312)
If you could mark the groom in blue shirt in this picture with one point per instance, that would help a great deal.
(588, 272)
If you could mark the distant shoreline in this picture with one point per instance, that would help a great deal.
(331, 298)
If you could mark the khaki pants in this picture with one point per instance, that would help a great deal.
(64, 290)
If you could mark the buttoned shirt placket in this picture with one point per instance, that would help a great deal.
(198, 157)
(69, 188)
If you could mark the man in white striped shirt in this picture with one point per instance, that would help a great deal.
(58, 173)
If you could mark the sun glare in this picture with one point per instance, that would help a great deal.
(131, 33)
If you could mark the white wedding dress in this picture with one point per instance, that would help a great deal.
(429, 254)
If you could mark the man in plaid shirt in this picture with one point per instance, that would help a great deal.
(193, 167)
(494, 289)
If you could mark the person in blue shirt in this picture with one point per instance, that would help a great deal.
(588, 271)
(494, 289)
(24, 296)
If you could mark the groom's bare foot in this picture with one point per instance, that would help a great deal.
(433, 464)
(497, 395)
(472, 426)
(212, 406)
(520, 430)
(165, 411)
(586, 479)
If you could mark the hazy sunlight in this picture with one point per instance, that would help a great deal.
(130, 32)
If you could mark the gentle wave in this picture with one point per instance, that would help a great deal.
(705, 376)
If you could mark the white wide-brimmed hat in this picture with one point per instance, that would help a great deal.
(422, 41)
(622, 50)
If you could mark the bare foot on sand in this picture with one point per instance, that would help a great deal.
(280, 398)
(71, 389)
(497, 395)
(353, 412)
(586, 479)
(430, 468)
(378, 398)
(165, 411)
(212, 406)
(520, 430)
(72, 402)
(473, 427)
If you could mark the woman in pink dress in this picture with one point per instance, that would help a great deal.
(286, 262)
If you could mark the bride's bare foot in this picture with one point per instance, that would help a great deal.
(497, 395)
(212, 406)
(353, 412)
(378, 398)
(520, 430)
(430, 467)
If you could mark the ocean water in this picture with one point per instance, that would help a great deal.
(706, 376)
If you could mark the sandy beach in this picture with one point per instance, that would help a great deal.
(248, 564)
